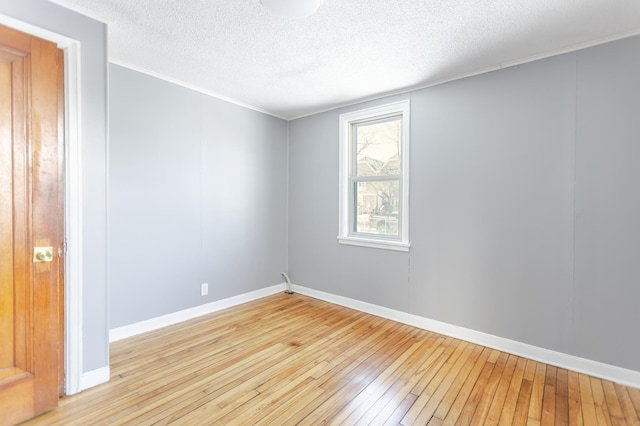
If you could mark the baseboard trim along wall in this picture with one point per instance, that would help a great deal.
(601, 370)
(187, 314)
(593, 368)
(95, 377)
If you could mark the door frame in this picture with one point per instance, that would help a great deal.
(73, 200)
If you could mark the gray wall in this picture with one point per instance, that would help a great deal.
(197, 194)
(607, 256)
(523, 206)
(93, 38)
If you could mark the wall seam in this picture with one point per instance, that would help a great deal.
(203, 278)
(409, 254)
(573, 222)
(107, 200)
(286, 202)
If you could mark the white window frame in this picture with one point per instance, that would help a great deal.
(346, 234)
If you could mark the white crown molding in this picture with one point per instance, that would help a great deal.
(81, 11)
(192, 87)
(405, 91)
(480, 71)
(570, 362)
(320, 109)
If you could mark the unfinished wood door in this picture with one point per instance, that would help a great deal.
(31, 215)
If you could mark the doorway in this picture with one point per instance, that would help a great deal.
(75, 380)
(32, 245)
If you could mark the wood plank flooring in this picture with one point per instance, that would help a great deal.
(291, 359)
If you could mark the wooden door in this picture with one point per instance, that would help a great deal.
(31, 215)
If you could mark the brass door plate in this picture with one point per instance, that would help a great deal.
(42, 254)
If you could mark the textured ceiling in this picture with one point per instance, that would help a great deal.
(349, 50)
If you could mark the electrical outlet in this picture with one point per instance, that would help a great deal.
(204, 289)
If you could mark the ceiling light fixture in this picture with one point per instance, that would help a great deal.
(292, 8)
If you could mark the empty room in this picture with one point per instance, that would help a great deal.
(265, 212)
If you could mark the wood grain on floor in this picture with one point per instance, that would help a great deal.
(291, 359)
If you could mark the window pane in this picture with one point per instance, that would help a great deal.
(378, 147)
(377, 207)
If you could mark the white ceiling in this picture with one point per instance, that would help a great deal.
(349, 50)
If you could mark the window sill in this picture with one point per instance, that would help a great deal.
(379, 244)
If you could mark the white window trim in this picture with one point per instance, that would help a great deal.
(344, 231)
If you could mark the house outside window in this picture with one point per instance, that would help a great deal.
(374, 177)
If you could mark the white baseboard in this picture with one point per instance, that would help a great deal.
(187, 314)
(95, 377)
(570, 362)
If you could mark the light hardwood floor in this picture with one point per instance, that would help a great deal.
(291, 359)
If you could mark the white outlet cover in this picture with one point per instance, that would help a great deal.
(204, 289)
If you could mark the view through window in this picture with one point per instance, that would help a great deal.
(376, 181)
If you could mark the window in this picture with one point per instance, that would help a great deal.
(374, 177)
